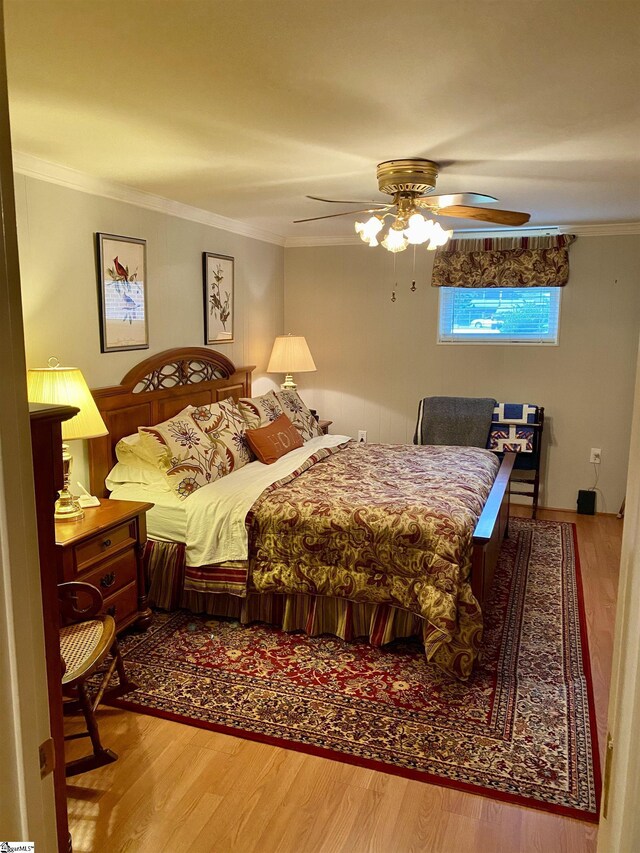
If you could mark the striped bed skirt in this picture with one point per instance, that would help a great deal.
(222, 591)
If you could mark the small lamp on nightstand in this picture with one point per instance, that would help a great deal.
(290, 354)
(66, 386)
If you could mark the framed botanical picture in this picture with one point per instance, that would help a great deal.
(218, 298)
(122, 282)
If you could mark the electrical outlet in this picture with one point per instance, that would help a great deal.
(596, 455)
(362, 435)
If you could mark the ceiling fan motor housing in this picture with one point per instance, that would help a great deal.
(407, 176)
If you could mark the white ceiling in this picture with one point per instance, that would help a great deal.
(242, 107)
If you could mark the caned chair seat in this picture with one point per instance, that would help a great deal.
(84, 645)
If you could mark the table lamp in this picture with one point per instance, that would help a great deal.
(67, 386)
(290, 354)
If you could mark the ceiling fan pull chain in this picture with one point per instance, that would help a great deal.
(395, 286)
(413, 283)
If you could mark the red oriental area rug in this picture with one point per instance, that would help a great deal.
(522, 729)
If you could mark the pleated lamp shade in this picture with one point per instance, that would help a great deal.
(67, 386)
(290, 354)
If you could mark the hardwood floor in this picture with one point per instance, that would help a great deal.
(179, 788)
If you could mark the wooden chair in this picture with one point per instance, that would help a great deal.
(526, 469)
(87, 638)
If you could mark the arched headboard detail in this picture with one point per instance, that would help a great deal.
(155, 390)
(178, 367)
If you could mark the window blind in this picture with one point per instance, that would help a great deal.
(513, 315)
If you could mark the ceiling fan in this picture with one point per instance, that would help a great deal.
(410, 183)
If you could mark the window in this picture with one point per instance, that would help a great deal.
(492, 315)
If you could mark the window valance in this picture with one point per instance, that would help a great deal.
(503, 262)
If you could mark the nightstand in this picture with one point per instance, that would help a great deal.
(105, 549)
(324, 426)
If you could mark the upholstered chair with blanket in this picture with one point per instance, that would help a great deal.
(459, 421)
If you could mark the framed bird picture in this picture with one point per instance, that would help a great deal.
(122, 284)
(217, 272)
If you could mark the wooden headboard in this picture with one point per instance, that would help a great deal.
(155, 390)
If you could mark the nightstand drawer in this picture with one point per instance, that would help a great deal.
(101, 546)
(113, 574)
(105, 549)
(122, 604)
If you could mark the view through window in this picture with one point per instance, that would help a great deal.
(528, 315)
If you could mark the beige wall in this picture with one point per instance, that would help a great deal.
(376, 359)
(56, 228)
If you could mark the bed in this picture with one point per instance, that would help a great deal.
(280, 581)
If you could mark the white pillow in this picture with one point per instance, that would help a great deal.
(132, 451)
(140, 474)
(137, 468)
(125, 448)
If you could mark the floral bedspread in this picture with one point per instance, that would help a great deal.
(383, 524)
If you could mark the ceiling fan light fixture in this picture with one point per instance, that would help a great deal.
(419, 229)
(395, 241)
(438, 237)
(369, 230)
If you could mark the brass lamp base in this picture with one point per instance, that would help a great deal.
(288, 384)
(67, 507)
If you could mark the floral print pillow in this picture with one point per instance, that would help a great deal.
(225, 427)
(298, 414)
(196, 447)
(260, 411)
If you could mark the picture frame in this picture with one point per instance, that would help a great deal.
(122, 292)
(219, 305)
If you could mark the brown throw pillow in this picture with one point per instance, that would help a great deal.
(274, 440)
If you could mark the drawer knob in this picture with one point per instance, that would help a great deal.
(106, 543)
(108, 580)
(112, 610)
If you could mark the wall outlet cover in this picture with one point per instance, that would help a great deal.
(362, 435)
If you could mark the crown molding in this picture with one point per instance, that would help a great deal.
(54, 173)
(604, 229)
(302, 242)
(63, 176)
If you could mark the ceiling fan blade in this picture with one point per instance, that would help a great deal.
(336, 201)
(501, 217)
(454, 199)
(344, 213)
